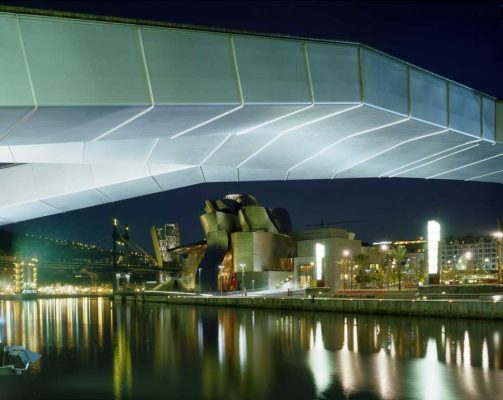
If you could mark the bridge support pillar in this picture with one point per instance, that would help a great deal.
(121, 280)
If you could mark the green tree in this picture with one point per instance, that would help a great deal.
(378, 277)
(399, 253)
(362, 277)
(414, 272)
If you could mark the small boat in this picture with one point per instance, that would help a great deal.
(14, 360)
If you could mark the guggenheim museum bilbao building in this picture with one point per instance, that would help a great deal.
(96, 109)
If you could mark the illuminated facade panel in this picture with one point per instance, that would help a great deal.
(320, 256)
(433, 239)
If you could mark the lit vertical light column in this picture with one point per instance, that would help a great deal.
(433, 239)
(320, 254)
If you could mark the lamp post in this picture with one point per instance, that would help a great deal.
(346, 253)
(499, 236)
(384, 248)
(199, 272)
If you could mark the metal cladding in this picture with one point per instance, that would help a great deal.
(240, 236)
(93, 112)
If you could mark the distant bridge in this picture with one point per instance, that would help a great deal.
(102, 267)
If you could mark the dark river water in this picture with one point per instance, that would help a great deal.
(93, 349)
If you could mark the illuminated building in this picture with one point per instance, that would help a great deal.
(412, 267)
(18, 276)
(482, 251)
(25, 273)
(247, 247)
(165, 238)
(413, 245)
(322, 255)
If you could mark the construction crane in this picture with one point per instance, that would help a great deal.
(322, 224)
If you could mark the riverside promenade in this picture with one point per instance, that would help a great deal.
(489, 308)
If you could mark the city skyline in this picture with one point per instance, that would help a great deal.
(372, 218)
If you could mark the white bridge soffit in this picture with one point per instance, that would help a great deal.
(93, 112)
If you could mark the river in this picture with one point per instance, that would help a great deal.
(95, 349)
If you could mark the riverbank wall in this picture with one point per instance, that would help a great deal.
(424, 308)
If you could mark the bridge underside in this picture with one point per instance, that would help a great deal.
(93, 112)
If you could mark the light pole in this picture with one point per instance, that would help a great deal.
(384, 249)
(253, 285)
(242, 278)
(347, 254)
(499, 236)
(199, 271)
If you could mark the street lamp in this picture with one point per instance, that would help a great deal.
(346, 253)
(499, 236)
(384, 248)
(199, 271)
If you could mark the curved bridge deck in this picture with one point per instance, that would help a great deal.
(95, 111)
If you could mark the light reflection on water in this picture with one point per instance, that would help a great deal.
(95, 349)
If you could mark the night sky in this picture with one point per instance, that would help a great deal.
(461, 41)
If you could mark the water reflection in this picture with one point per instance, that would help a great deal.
(55, 325)
(93, 349)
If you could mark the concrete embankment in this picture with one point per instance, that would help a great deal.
(425, 308)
